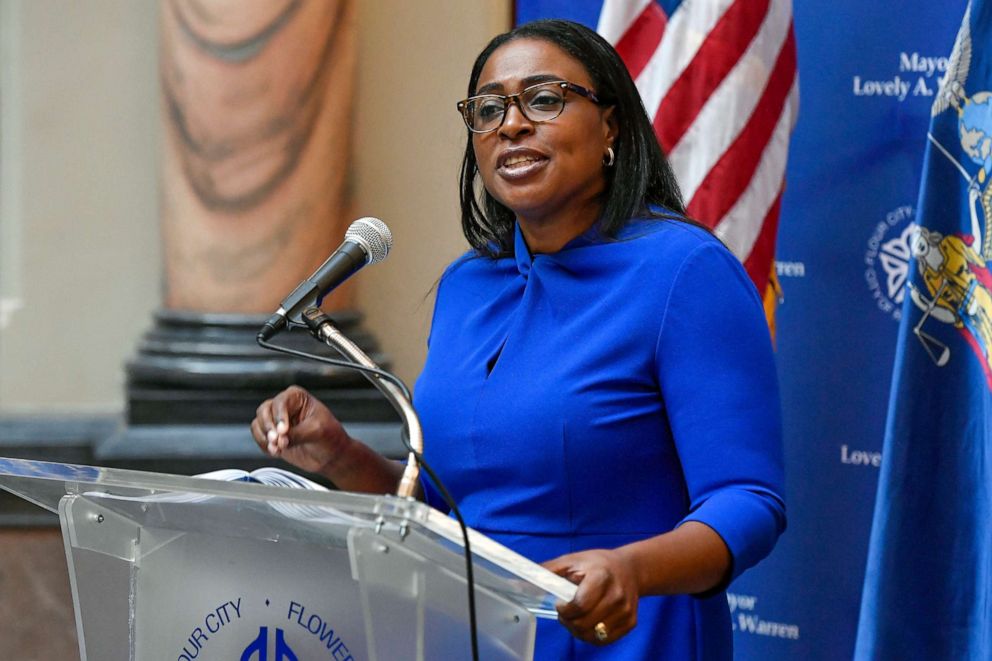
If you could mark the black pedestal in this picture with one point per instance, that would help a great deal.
(198, 369)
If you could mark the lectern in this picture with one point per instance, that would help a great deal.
(167, 567)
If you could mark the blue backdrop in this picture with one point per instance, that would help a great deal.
(851, 184)
(867, 72)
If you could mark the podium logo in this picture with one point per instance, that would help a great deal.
(258, 649)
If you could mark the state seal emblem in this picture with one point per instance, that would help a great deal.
(954, 267)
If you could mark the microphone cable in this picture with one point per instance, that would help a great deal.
(445, 495)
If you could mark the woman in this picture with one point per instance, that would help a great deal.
(599, 392)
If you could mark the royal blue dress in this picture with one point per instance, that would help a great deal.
(605, 394)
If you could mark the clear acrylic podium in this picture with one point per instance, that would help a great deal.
(168, 567)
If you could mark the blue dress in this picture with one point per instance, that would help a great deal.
(605, 394)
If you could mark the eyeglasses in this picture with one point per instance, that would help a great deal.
(538, 103)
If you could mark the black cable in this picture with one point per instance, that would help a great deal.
(445, 495)
(469, 572)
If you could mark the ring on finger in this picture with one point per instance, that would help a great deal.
(601, 632)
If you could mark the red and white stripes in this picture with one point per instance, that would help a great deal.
(718, 78)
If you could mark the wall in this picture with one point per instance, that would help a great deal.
(79, 173)
(414, 63)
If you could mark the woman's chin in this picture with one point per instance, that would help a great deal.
(527, 199)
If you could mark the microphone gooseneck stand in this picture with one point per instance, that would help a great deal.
(398, 395)
(321, 326)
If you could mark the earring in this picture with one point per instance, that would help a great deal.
(610, 157)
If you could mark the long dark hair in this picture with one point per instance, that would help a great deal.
(640, 180)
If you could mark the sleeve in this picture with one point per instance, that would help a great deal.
(717, 376)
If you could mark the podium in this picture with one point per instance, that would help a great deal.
(166, 567)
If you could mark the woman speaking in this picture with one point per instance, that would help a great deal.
(599, 393)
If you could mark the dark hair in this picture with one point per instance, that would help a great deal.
(639, 181)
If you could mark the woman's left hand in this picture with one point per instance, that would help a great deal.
(607, 594)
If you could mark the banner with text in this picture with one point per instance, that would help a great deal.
(867, 78)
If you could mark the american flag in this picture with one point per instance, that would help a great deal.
(718, 78)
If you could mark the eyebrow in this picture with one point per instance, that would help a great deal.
(526, 82)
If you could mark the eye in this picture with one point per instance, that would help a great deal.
(545, 99)
(488, 109)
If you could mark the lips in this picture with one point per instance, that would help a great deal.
(519, 162)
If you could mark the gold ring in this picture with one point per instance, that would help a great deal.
(600, 631)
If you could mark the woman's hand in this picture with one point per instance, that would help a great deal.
(607, 594)
(296, 426)
(690, 559)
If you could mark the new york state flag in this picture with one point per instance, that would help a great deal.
(928, 585)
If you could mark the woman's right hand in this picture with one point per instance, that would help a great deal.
(296, 426)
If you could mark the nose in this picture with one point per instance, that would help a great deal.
(515, 123)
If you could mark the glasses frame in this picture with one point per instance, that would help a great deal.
(507, 99)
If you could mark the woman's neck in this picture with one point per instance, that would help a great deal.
(551, 235)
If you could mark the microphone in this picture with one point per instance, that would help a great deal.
(367, 241)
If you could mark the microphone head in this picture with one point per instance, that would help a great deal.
(373, 236)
